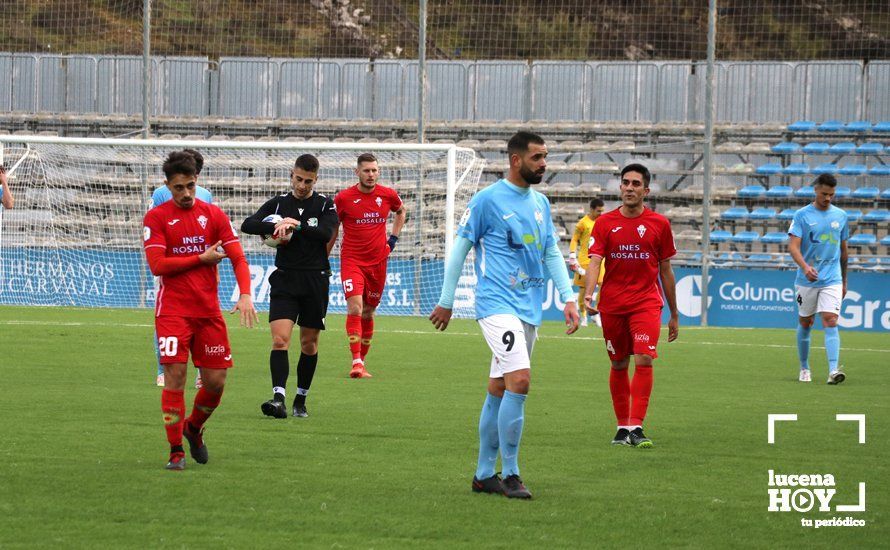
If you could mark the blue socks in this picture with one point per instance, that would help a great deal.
(488, 437)
(510, 420)
(832, 347)
(803, 346)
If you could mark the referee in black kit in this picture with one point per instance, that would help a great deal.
(299, 285)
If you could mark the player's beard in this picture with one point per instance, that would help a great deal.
(531, 178)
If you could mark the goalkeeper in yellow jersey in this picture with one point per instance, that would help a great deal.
(581, 241)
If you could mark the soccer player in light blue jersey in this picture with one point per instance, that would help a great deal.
(509, 226)
(161, 195)
(818, 244)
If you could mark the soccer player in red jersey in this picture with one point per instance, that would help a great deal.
(637, 245)
(182, 237)
(363, 210)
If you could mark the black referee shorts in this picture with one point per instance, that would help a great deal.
(301, 296)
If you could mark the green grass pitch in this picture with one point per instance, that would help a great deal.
(387, 462)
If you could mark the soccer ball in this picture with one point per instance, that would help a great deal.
(271, 241)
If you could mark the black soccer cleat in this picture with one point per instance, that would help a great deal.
(622, 437)
(275, 409)
(836, 377)
(637, 439)
(300, 412)
(513, 488)
(197, 448)
(491, 485)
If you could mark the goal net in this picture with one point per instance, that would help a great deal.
(74, 237)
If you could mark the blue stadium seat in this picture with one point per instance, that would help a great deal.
(854, 215)
(786, 148)
(787, 214)
(769, 169)
(877, 215)
(762, 213)
(806, 192)
(720, 236)
(885, 194)
(858, 126)
(883, 126)
(796, 169)
(802, 126)
(730, 257)
(779, 192)
(863, 239)
(842, 192)
(842, 148)
(853, 169)
(775, 237)
(827, 168)
(734, 213)
(746, 237)
(760, 258)
(831, 126)
(816, 148)
(866, 193)
(870, 148)
(879, 170)
(751, 192)
(886, 241)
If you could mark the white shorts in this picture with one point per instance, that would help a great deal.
(813, 299)
(511, 341)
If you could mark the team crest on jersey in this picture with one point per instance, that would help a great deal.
(641, 229)
(146, 233)
(539, 216)
(835, 225)
(312, 222)
(300, 210)
(202, 219)
(379, 201)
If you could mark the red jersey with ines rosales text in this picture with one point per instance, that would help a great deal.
(632, 249)
(364, 216)
(187, 232)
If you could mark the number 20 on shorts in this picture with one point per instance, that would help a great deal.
(167, 346)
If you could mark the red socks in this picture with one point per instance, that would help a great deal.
(640, 390)
(367, 334)
(206, 402)
(354, 333)
(619, 385)
(173, 409)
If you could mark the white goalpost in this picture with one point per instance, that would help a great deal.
(75, 236)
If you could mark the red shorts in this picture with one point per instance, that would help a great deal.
(206, 337)
(366, 281)
(634, 333)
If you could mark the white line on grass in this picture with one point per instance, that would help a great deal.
(451, 333)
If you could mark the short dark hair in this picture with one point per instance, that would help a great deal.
(180, 162)
(637, 167)
(518, 144)
(199, 159)
(365, 157)
(825, 179)
(307, 162)
(596, 202)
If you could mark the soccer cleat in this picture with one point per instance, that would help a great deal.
(198, 382)
(358, 371)
(637, 439)
(275, 409)
(836, 377)
(804, 375)
(177, 462)
(300, 412)
(492, 485)
(584, 320)
(160, 380)
(196, 443)
(513, 487)
(622, 437)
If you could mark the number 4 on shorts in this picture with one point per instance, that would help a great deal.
(609, 346)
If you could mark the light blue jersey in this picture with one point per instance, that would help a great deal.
(162, 195)
(821, 233)
(510, 228)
